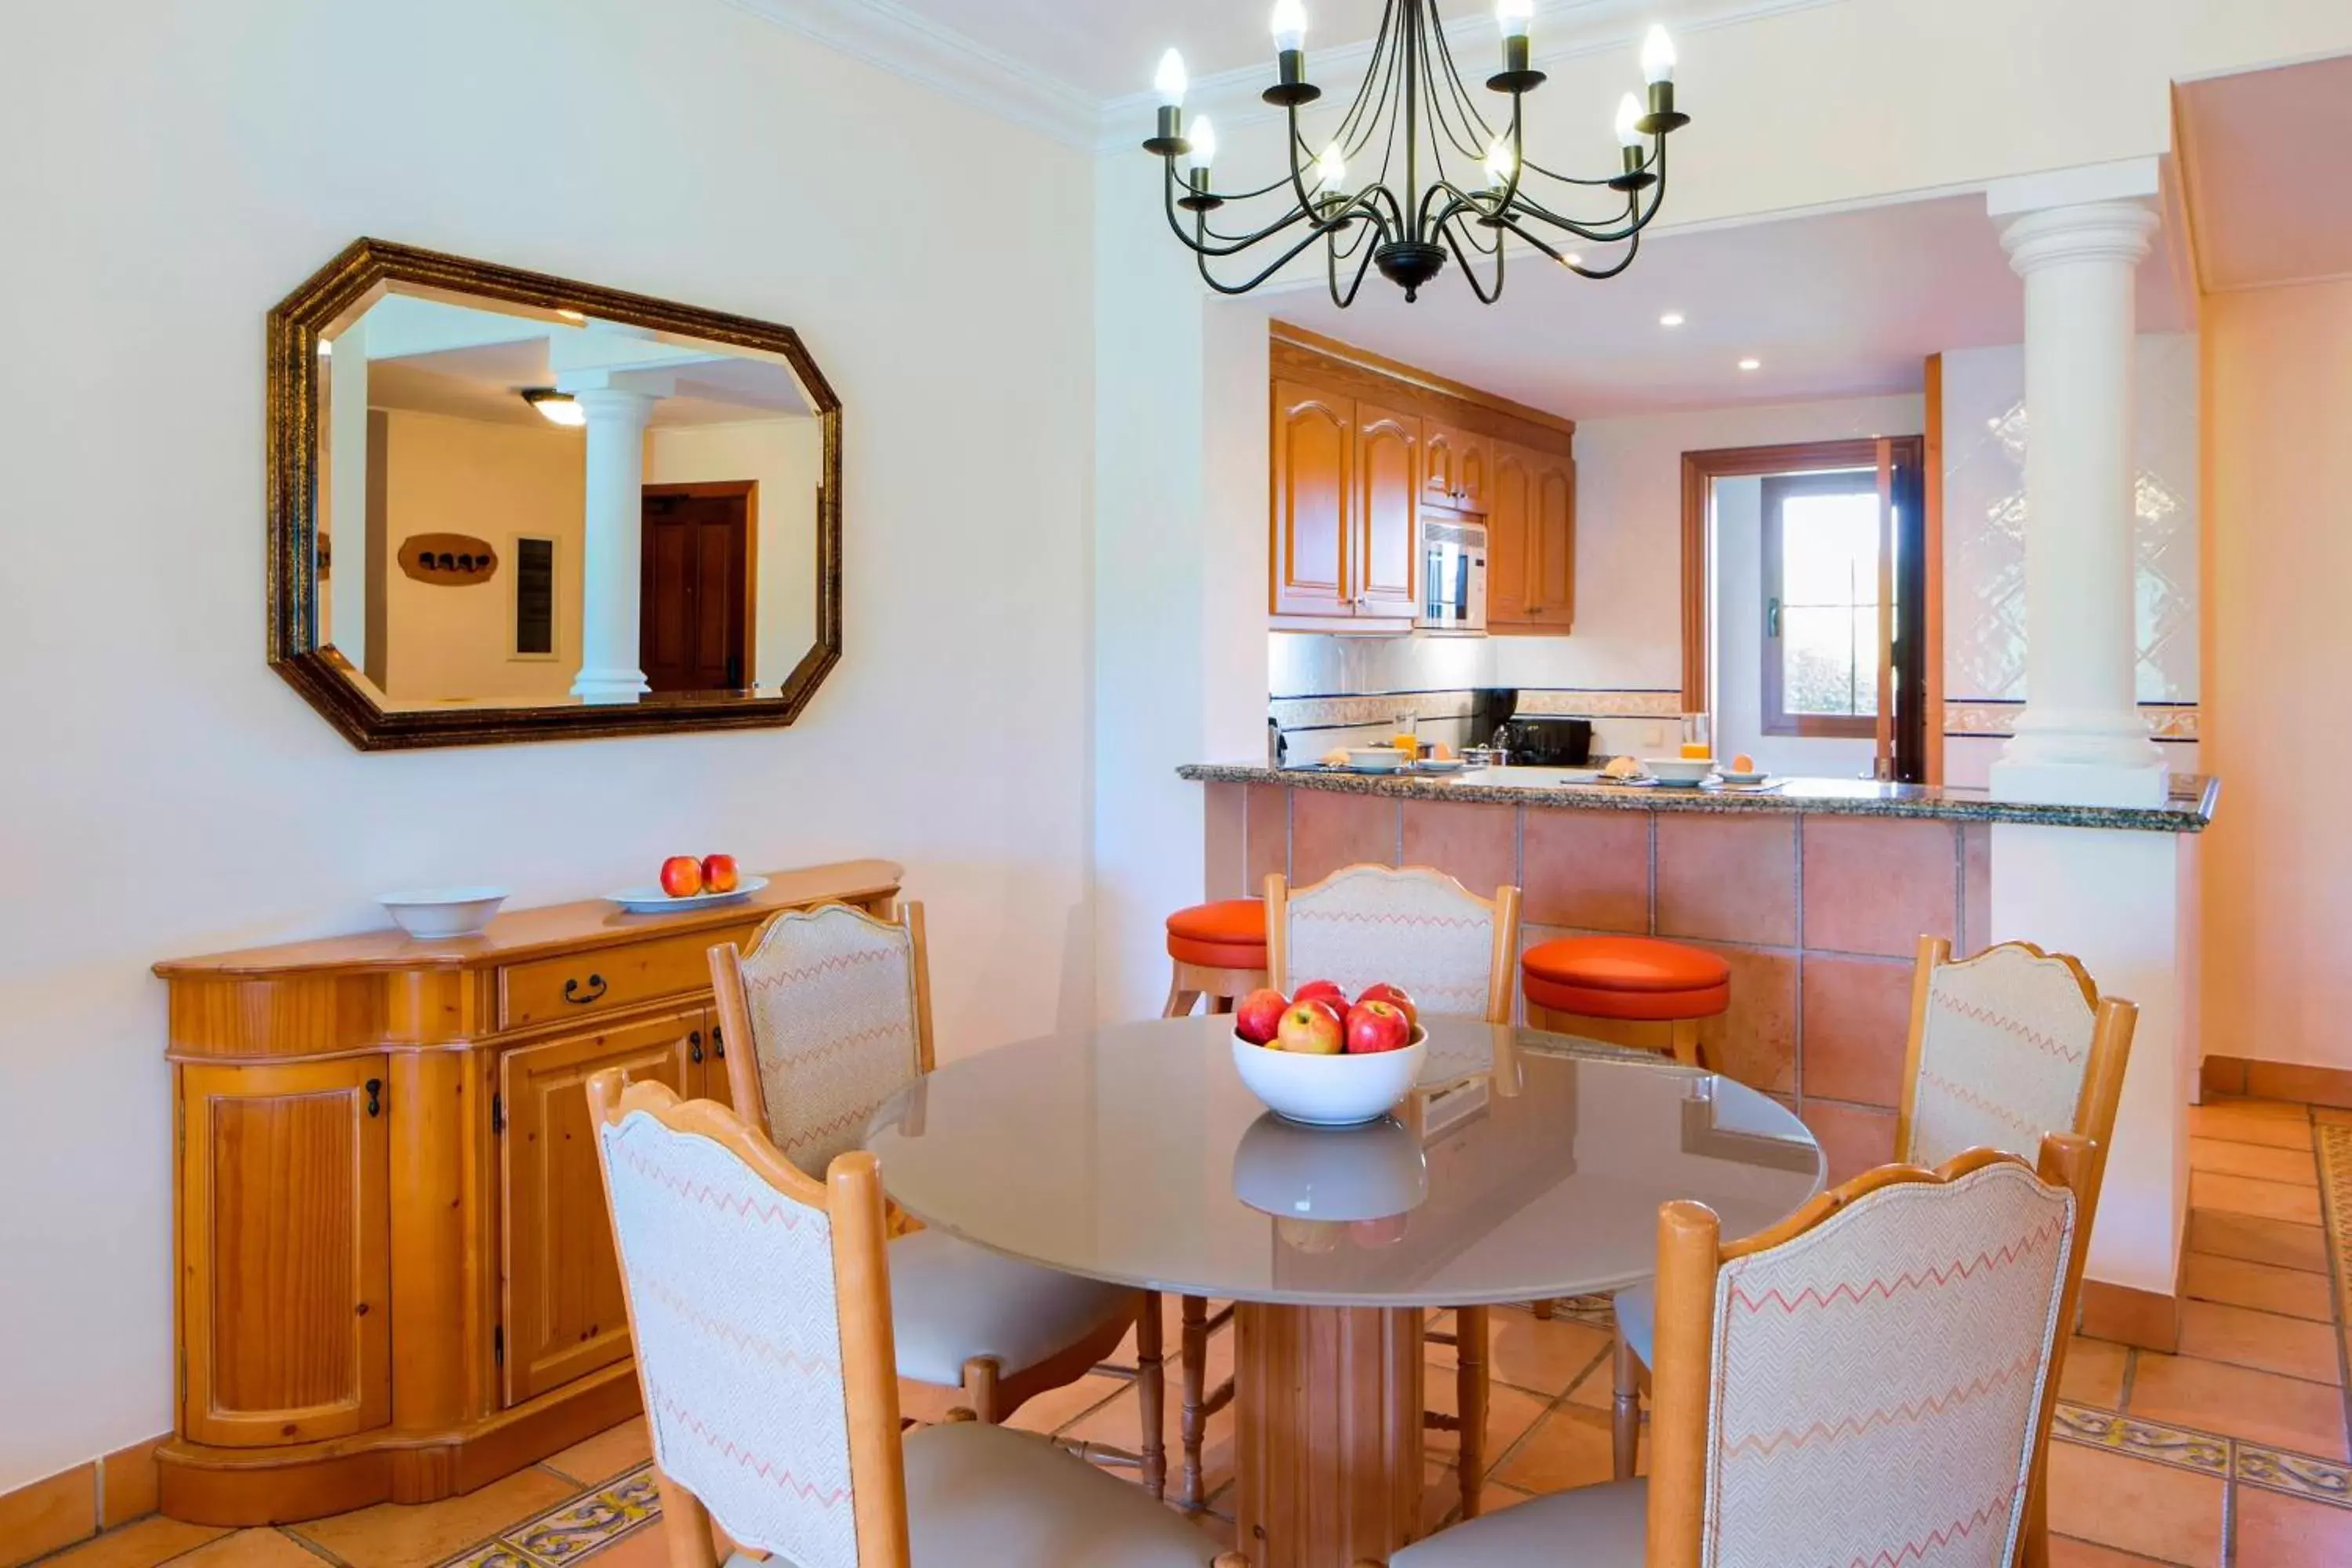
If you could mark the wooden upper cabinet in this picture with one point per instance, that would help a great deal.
(1510, 501)
(1314, 454)
(1455, 466)
(285, 1230)
(563, 1307)
(1388, 490)
(1551, 543)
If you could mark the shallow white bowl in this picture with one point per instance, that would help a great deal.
(1380, 759)
(434, 912)
(1330, 1091)
(1679, 769)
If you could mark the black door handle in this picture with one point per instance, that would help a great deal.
(578, 996)
(694, 1047)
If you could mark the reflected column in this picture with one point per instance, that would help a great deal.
(612, 558)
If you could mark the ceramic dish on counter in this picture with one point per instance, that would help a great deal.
(650, 899)
(1742, 781)
(1682, 772)
(433, 914)
(1439, 765)
(1375, 758)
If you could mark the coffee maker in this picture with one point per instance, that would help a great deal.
(1538, 741)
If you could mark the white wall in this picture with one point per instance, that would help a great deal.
(170, 173)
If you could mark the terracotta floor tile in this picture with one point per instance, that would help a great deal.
(2263, 1200)
(1541, 1357)
(2254, 1105)
(1569, 1447)
(650, 1549)
(2279, 1243)
(1509, 1413)
(390, 1535)
(1497, 1497)
(2298, 1167)
(1115, 1422)
(2094, 1373)
(1057, 1407)
(251, 1549)
(2210, 1396)
(2265, 1341)
(2330, 1116)
(2248, 1121)
(609, 1453)
(2065, 1551)
(2136, 1505)
(2291, 1291)
(142, 1543)
(2279, 1532)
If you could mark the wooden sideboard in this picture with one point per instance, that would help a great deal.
(394, 1275)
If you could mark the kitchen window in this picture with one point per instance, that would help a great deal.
(1821, 579)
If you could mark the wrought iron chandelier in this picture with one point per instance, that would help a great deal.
(1410, 217)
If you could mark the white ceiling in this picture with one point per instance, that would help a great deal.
(1842, 305)
(485, 383)
(2267, 158)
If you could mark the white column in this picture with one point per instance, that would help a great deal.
(2080, 739)
(613, 557)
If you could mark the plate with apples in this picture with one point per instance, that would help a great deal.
(1315, 1057)
(690, 883)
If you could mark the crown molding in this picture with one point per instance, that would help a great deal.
(892, 38)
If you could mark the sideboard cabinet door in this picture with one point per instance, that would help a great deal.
(284, 1228)
(564, 1315)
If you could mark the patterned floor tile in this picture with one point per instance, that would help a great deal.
(2142, 1439)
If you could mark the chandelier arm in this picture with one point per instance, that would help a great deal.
(1363, 267)
(1446, 84)
(1277, 264)
(1470, 273)
(1461, 91)
(1207, 242)
(1581, 270)
(1527, 206)
(1468, 202)
(1376, 71)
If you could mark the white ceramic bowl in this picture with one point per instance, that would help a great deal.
(1342, 1173)
(1381, 759)
(1679, 769)
(1330, 1091)
(433, 913)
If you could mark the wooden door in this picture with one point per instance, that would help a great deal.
(286, 1335)
(1551, 543)
(561, 1288)
(1510, 503)
(1313, 459)
(696, 611)
(1387, 495)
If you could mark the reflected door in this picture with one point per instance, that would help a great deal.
(695, 623)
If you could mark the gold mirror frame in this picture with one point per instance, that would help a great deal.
(325, 678)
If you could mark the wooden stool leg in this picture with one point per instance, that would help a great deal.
(1180, 1001)
(1194, 1349)
(1543, 1310)
(1470, 1399)
(1625, 1413)
(1152, 1396)
(1685, 1040)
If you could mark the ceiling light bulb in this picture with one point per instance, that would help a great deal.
(1289, 25)
(1502, 163)
(1514, 16)
(1657, 57)
(1751, 364)
(1170, 80)
(1203, 138)
(1670, 318)
(1331, 169)
(1629, 122)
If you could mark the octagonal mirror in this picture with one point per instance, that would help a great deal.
(509, 507)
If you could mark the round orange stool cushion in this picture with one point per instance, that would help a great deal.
(1227, 934)
(1632, 977)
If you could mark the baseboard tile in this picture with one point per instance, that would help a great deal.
(2148, 1319)
(44, 1516)
(2301, 1081)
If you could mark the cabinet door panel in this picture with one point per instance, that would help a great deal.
(1388, 492)
(284, 1230)
(1510, 501)
(1551, 544)
(1474, 470)
(1313, 461)
(564, 1316)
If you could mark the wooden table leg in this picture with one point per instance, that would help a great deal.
(1327, 1433)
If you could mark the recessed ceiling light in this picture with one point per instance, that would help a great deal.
(1670, 318)
(1751, 364)
(555, 407)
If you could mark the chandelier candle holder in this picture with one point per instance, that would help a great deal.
(1414, 214)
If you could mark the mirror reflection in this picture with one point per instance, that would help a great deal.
(525, 508)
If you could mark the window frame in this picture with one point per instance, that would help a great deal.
(1772, 711)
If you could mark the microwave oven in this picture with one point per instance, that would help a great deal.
(1452, 571)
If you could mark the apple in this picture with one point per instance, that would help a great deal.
(1394, 995)
(1322, 991)
(1257, 1018)
(1375, 1026)
(718, 874)
(1310, 1028)
(1385, 1231)
(682, 876)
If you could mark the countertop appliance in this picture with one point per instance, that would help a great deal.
(1452, 571)
(1545, 742)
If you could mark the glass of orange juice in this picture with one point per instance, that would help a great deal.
(1698, 737)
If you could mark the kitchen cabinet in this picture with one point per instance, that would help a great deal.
(1388, 469)
(1531, 542)
(1314, 466)
(1455, 466)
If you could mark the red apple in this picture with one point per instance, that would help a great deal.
(1374, 1027)
(718, 874)
(1394, 995)
(1310, 1028)
(682, 876)
(1258, 1016)
(1322, 991)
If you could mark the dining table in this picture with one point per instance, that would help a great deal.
(1522, 1166)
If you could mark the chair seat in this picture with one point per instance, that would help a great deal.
(1629, 978)
(950, 1301)
(1637, 1319)
(1229, 933)
(1590, 1526)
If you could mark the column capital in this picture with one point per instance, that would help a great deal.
(615, 404)
(2087, 231)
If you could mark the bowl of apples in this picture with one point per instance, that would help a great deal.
(1315, 1058)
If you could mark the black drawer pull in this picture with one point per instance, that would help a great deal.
(718, 1043)
(375, 1096)
(694, 1047)
(579, 996)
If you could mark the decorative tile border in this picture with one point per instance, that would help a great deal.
(1997, 717)
(2334, 1142)
(1332, 711)
(2208, 1453)
(569, 1532)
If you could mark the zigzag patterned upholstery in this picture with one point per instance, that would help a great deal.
(2002, 1059)
(832, 997)
(1415, 927)
(730, 1288)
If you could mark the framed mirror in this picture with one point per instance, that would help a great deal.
(509, 507)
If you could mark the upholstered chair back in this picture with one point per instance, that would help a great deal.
(2004, 1052)
(1878, 1380)
(833, 1001)
(1412, 927)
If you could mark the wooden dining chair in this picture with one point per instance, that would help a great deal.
(1871, 1381)
(2004, 1046)
(830, 1015)
(1456, 954)
(760, 1306)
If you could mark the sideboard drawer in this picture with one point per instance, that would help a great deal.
(597, 982)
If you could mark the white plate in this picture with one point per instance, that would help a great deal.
(652, 900)
(1728, 776)
(1438, 766)
(1375, 758)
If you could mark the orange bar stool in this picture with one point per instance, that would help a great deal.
(1219, 950)
(1629, 989)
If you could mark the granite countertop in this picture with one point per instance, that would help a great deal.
(2188, 810)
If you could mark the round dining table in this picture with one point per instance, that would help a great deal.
(1522, 1166)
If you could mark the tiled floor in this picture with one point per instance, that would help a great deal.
(2231, 1454)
